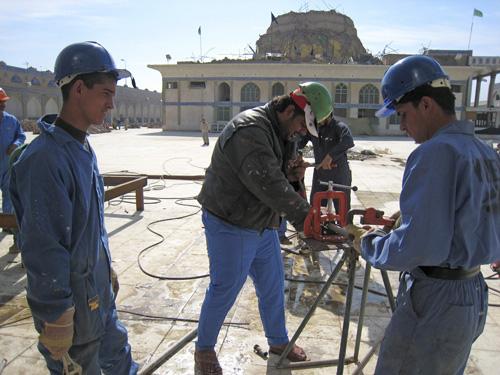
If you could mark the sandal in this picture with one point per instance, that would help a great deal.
(206, 363)
(297, 354)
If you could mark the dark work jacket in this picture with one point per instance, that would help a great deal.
(245, 183)
(334, 139)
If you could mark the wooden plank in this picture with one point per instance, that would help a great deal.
(175, 177)
(125, 187)
(113, 180)
(8, 221)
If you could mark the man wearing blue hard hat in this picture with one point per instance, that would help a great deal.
(58, 197)
(449, 227)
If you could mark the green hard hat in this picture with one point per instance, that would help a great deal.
(319, 98)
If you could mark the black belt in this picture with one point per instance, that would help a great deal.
(450, 273)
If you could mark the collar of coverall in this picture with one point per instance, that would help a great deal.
(78, 134)
(301, 101)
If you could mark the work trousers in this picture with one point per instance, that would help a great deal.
(234, 253)
(4, 185)
(110, 354)
(434, 325)
(205, 137)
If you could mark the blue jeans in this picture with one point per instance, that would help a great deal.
(110, 354)
(234, 254)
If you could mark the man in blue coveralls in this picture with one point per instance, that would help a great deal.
(11, 137)
(244, 193)
(58, 194)
(450, 226)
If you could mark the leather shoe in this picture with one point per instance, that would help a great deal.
(206, 363)
(297, 354)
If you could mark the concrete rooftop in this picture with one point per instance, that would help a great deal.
(171, 220)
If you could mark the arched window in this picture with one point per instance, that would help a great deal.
(250, 93)
(35, 81)
(278, 89)
(340, 93)
(224, 92)
(16, 79)
(368, 94)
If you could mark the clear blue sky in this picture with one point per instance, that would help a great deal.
(138, 33)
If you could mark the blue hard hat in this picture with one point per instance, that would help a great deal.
(405, 76)
(83, 58)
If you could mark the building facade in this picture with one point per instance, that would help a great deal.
(34, 93)
(219, 90)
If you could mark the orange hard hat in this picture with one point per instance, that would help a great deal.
(3, 95)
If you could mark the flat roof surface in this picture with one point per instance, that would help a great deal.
(168, 240)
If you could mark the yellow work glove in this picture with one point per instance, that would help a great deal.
(355, 234)
(57, 336)
(114, 282)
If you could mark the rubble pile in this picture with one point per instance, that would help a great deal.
(355, 153)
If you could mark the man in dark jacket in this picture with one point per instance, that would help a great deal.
(244, 193)
(330, 154)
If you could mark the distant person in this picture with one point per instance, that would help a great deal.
(245, 191)
(58, 196)
(11, 137)
(204, 131)
(450, 226)
(330, 146)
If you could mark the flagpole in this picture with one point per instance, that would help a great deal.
(470, 34)
(201, 55)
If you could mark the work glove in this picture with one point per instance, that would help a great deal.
(57, 336)
(355, 234)
(114, 282)
(397, 217)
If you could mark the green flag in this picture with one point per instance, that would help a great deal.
(477, 13)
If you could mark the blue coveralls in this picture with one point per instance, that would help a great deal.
(58, 194)
(11, 133)
(450, 208)
(334, 139)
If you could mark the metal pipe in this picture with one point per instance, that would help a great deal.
(364, 361)
(347, 311)
(3, 363)
(309, 314)
(314, 364)
(150, 368)
(388, 289)
(361, 319)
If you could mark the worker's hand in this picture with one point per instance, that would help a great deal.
(355, 235)
(114, 282)
(10, 149)
(326, 163)
(396, 216)
(57, 336)
(296, 169)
